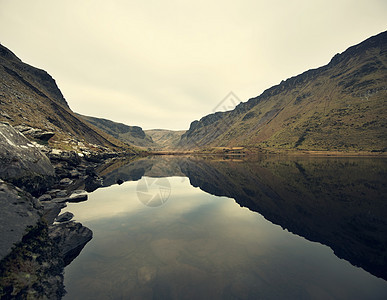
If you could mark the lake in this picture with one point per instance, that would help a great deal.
(215, 228)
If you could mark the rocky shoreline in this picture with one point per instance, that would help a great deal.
(37, 241)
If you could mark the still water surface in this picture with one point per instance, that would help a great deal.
(163, 238)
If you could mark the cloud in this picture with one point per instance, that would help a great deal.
(166, 63)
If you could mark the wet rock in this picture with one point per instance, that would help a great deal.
(65, 217)
(60, 200)
(19, 211)
(45, 197)
(70, 237)
(22, 163)
(92, 183)
(78, 197)
(66, 181)
(61, 172)
(53, 192)
(75, 174)
(51, 210)
(61, 193)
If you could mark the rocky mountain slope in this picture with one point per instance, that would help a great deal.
(29, 97)
(153, 139)
(132, 135)
(165, 139)
(340, 106)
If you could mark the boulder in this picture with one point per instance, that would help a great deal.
(65, 217)
(22, 163)
(78, 197)
(92, 183)
(51, 210)
(70, 237)
(35, 133)
(19, 212)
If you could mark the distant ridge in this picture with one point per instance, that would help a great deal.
(133, 135)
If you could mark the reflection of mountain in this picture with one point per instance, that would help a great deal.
(338, 202)
(133, 170)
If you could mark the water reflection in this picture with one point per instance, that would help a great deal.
(199, 245)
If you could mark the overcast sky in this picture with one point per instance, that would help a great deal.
(163, 64)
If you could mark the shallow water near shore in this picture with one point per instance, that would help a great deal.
(205, 229)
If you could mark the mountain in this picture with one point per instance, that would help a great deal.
(165, 139)
(132, 135)
(340, 106)
(31, 100)
(154, 139)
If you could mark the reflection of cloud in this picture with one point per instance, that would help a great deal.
(117, 200)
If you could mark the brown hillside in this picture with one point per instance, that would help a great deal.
(30, 96)
(340, 106)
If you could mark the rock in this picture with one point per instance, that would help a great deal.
(18, 212)
(120, 181)
(35, 133)
(53, 192)
(61, 193)
(70, 157)
(70, 237)
(45, 197)
(90, 171)
(79, 192)
(23, 164)
(22, 128)
(75, 174)
(78, 197)
(5, 115)
(65, 217)
(66, 181)
(92, 183)
(52, 210)
(61, 172)
(60, 200)
(44, 135)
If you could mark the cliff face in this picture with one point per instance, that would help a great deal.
(30, 97)
(133, 135)
(340, 106)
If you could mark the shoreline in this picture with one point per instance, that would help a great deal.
(281, 152)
